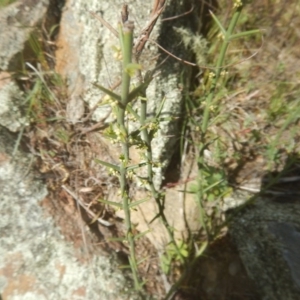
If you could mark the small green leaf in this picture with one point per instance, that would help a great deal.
(109, 93)
(212, 186)
(111, 203)
(165, 264)
(140, 90)
(162, 103)
(141, 234)
(243, 34)
(184, 253)
(202, 249)
(108, 165)
(133, 167)
(117, 239)
(125, 267)
(132, 68)
(218, 23)
(136, 203)
(132, 111)
(143, 259)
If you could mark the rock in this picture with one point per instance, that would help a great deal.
(36, 260)
(16, 24)
(86, 55)
(17, 21)
(11, 114)
(267, 235)
(39, 259)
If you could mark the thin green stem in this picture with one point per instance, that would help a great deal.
(126, 39)
(158, 197)
(220, 63)
(208, 103)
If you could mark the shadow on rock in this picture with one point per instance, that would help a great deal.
(267, 234)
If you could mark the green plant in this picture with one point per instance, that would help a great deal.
(122, 136)
(212, 184)
(120, 133)
(171, 255)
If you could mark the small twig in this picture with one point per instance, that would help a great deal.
(106, 24)
(169, 53)
(81, 203)
(144, 35)
(178, 16)
(99, 125)
(203, 67)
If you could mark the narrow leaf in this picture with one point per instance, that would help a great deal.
(125, 267)
(212, 186)
(140, 90)
(108, 92)
(133, 167)
(143, 259)
(116, 239)
(160, 107)
(108, 165)
(132, 111)
(136, 203)
(218, 23)
(131, 68)
(111, 203)
(202, 249)
(141, 234)
(243, 34)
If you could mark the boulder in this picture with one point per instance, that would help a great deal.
(36, 260)
(267, 235)
(87, 54)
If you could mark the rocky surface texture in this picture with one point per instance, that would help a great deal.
(68, 250)
(38, 259)
(87, 54)
(16, 24)
(267, 235)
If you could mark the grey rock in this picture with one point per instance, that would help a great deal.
(11, 114)
(267, 235)
(86, 55)
(17, 21)
(289, 239)
(36, 262)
